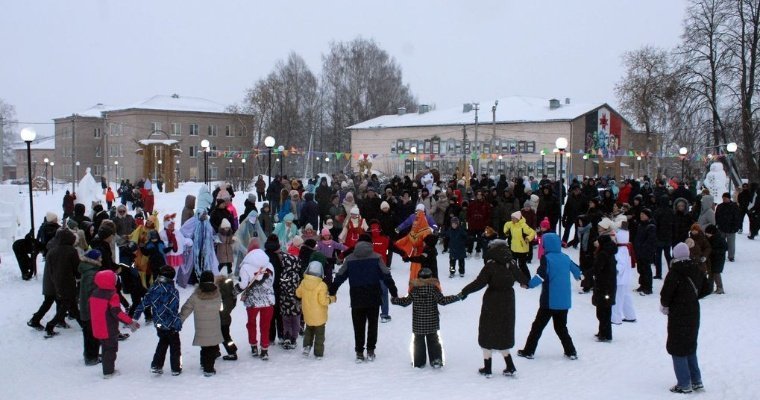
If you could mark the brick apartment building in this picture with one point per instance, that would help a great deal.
(102, 135)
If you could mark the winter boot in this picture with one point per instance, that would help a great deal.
(264, 354)
(254, 350)
(437, 363)
(359, 357)
(718, 283)
(370, 355)
(678, 389)
(486, 370)
(156, 370)
(306, 351)
(524, 354)
(35, 324)
(510, 370)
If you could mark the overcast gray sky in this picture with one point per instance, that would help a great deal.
(61, 57)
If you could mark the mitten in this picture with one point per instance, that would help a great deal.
(134, 326)
(461, 296)
(664, 310)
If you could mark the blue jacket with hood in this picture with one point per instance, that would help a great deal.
(554, 275)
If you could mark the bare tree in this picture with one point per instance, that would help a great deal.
(7, 127)
(744, 46)
(360, 81)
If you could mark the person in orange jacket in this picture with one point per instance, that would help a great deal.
(109, 197)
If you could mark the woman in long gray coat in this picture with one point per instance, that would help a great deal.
(496, 330)
(205, 303)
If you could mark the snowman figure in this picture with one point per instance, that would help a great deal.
(716, 180)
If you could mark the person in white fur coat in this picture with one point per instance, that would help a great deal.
(622, 310)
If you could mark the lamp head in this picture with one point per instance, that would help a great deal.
(585, 156)
(116, 162)
(28, 134)
(638, 158)
(327, 159)
(280, 148)
(46, 160)
(269, 142)
(204, 143)
(731, 147)
(242, 161)
(413, 150)
(52, 163)
(77, 163)
(555, 150)
(561, 143)
(682, 151)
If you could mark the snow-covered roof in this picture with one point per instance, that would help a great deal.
(160, 102)
(509, 110)
(40, 143)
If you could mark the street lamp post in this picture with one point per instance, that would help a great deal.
(28, 135)
(205, 146)
(177, 176)
(327, 166)
(47, 161)
(585, 159)
(731, 148)
(555, 151)
(269, 143)
(281, 157)
(413, 150)
(638, 166)
(543, 165)
(74, 181)
(52, 177)
(158, 168)
(116, 168)
(244, 185)
(683, 151)
(561, 146)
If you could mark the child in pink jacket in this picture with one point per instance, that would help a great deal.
(105, 314)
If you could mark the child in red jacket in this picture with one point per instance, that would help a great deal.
(105, 314)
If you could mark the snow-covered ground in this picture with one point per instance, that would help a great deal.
(634, 365)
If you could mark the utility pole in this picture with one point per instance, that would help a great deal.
(477, 159)
(2, 149)
(106, 133)
(465, 169)
(493, 135)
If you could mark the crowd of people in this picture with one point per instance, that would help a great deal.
(296, 242)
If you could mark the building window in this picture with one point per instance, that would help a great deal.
(212, 153)
(530, 147)
(213, 172)
(155, 126)
(228, 131)
(176, 129)
(427, 148)
(97, 170)
(193, 129)
(114, 150)
(97, 133)
(114, 129)
(436, 143)
(98, 152)
(192, 151)
(212, 130)
(241, 131)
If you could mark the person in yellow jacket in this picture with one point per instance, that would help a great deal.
(314, 301)
(520, 236)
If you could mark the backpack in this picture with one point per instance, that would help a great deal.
(706, 287)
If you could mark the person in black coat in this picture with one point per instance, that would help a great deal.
(102, 242)
(496, 327)
(718, 248)
(47, 232)
(309, 213)
(219, 213)
(63, 262)
(679, 300)
(576, 205)
(249, 204)
(428, 257)
(743, 198)
(728, 220)
(548, 207)
(682, 220)
(605, 285)
(663, 218)
(645, 248)
(25, 250)
(99, 215)
(323, 194)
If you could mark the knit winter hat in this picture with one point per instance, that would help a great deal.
(365, 237)
(289, 217)
(695, 227)
(420, 207)
(711, 229)
(326, 232)
(206, 277)
(252, 198)
(293, 193)
(545, 224)
(51, 217)
(606, 224)
(105, 232)
(225, 224)
(272, 243)
(308, 227)
(93, 254)
(311, 243)
(254, 244)
(153, 235)
(454, 220)
(647, 212)
(168, 272)
(315, 268)
(354, 210)
(534, 198)
(297, 241)
(516, 215)
(681, 252)
(425, 273)
(385, 206)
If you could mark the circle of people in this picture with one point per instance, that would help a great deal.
(286, 261)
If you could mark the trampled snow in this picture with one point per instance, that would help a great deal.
(634, 365)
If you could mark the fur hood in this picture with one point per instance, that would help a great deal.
(90, 261)
(419, 282)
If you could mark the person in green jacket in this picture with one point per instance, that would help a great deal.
(88, 267)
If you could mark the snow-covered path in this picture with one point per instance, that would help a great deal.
(633, 366)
